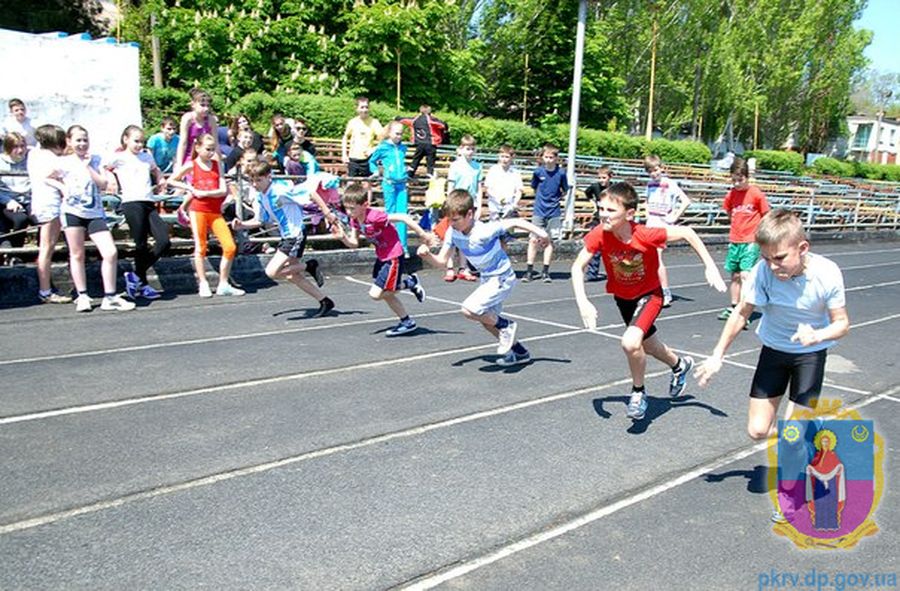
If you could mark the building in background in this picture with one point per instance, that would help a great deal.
(873, 139)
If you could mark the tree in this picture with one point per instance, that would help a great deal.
(68, 16)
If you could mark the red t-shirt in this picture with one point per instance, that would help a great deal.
(632, 269)
(746, 207)
(206, 180)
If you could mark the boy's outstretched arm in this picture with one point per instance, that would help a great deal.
(351, 241)
(428, 237)
(733, 327)
(523, 224)
(437, 260)
(323, 207)
(713, 277)
(586, 309)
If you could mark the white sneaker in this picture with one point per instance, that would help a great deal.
(226, 289)
(667, 298)
(507, 338)
(83, 303)
(116, 303)
(204, 291)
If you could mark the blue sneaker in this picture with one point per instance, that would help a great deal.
(404, 327)
(679, 379)
(637, 406)
(132, 284)
(148, 293)
(416, 288)
(512, 358)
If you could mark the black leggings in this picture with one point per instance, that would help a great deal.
(144, 220)
(13, 221)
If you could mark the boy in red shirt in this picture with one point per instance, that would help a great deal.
(745, 205)
(631, 258)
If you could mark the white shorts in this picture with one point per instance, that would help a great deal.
(657, 221)
(45, 211)
(491, 294)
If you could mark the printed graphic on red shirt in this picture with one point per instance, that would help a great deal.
(632, 268)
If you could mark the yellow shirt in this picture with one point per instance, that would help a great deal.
(363, 137)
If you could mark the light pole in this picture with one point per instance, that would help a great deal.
(569, 224)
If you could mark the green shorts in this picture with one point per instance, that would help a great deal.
(741, 256)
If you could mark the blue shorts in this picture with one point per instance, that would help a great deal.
(387, 274)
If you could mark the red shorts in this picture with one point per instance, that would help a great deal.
(642, 312)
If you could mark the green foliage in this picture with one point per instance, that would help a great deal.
(833, 167)
(680, 151)
(877, 172)
(777, 160)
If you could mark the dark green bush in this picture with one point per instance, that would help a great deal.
(777, 160)
(833, 167)
(684, 151)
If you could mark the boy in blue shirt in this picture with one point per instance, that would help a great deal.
(390, 156)
(164, 145)
(480, 242)
(550, 184)
(801, 295)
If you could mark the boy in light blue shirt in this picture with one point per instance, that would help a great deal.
(164, 145)
(801, 295)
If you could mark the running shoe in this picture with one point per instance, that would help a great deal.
(116, 303)
(416, 288)
(466, 275)
(725, 314)
(325, 306)
(83, 303)
(148, 293)
(54, 298)
(679, 379)
(204, 291)
(667, 298)
(512, 358)
(637, 406)
(545, 277)
(132, 284)
(507, 337)
(226, 289)
(450, 276)
(404, 327)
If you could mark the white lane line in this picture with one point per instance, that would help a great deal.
(264, 467)
(891, 398)
(854, 325)
(259, 382)
(872, 286)
(429, 581)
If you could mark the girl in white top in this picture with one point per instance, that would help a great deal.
(136, 172)
(46, 195)
(82, 213)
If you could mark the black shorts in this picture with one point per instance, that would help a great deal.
(293, 247)
(804, 371)
(358, 168)
(92, 225)
(642, 312)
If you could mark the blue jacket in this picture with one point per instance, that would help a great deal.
(392, 158)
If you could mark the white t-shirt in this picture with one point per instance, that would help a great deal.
(25, 128)
(502, 186)
(785, 304)
(82, 197)
(133, 173)
(45, 199)
(482, 247)
(663, 197)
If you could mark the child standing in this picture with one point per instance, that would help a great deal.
(428, 133)
(164, 145)
(278, 202)
(387, 274)
(503, 186)
(196, 122)
(390, 157)
(593, 192)
(665, 204)
(631, 257)
(801, 295)
(135, 169)
(480, 242)
(465, 173)
(82, 214)
(208, 191)
(550, 185)
(745, 205)
(46, 197)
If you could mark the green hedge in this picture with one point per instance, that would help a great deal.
(866, 170)
(777, 160)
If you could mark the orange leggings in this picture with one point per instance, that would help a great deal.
(202, 223)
